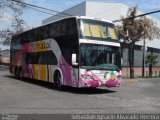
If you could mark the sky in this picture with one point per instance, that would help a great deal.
(34, 18)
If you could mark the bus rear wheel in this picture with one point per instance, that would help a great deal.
(57, 80)
(20, 73)
(16, 72)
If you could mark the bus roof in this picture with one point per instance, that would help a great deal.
(82, 17)
(92, 18)
(78, 17)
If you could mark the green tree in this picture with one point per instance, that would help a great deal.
(151, 60)
(133, 30)
(10, 10)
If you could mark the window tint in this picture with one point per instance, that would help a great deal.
(46, 57)
(15, 40)
(62, 28)
(39, 33)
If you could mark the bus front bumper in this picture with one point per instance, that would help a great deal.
(97, 83)
(113, 83)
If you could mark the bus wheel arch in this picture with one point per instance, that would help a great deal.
(58, 79)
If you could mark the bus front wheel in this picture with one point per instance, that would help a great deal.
(57, 80)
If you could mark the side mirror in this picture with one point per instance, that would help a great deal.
(74, 58)
(121, 61)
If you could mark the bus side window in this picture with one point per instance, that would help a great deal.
(31, 37)
(39, 33)
(40, 61)
(46, 35)
(52, 60)
(27, 58)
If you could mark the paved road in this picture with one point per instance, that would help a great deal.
(27, 96)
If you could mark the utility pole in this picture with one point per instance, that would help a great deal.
(0, 57)
(143, 59)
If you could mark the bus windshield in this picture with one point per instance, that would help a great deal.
(99, 57)
(98, 30)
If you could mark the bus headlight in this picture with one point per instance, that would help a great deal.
(87, 77)
(118, 77)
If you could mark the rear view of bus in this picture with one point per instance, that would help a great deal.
(74, 51)
(100, 60)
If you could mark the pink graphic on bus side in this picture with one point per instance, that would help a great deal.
(66, 71)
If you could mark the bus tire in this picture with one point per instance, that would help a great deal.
(20, 73)
(57, 80)
(16, 72)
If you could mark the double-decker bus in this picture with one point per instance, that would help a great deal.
(76, 51)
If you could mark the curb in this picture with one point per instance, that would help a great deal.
(129, 80)
(139, 79)
(4, 67)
